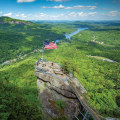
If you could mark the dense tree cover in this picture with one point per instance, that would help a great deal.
(99, 43)
(18, 92)
(63, 28)
(19, 96)
(23, 38)
(101, 79)
(98, 25)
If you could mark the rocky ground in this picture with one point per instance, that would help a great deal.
(55, 92)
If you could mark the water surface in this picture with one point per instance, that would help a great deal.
(68, 36)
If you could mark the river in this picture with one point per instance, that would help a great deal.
(68, 36)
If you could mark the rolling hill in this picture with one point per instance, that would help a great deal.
(21, 37)
(83, 55)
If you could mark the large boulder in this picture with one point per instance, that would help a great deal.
(55, 92)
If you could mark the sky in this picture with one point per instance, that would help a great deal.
(61, 9)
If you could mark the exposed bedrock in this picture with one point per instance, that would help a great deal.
(55, 92)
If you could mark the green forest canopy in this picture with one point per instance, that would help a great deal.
(100, 78)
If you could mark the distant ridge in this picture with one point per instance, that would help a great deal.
(8, 20)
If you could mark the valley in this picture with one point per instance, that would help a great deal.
(92, 54)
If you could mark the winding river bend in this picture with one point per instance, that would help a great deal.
(68, 36)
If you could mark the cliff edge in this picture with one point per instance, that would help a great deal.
(55, 92)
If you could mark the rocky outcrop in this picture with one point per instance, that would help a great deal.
(15, 22)
(18, 22)
(54, 88)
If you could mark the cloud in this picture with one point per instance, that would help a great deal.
(58, 0)
(59, 7)
(92, 13)
(43, 14)
(74, 7)
(62, 16)
(23, 16)
(20, 15)
(81, 14)
(77, 14)
(17, 15)
(8, 14)
(73, 14)
(113, 13)
(21, 1)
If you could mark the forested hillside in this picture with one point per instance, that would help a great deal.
(20, 37)
(100, 78)
(84, 54)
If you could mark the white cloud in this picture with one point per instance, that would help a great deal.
(23, 16)
(8, 14)
(20, 15)
(63, 16)
(113, 13)
(81, 14)
(92, 13)
(58, 0)
(59, 7)
(73, 14)
(42, 15)
(17, 15)
(0, 12)
(83, 7)
(21, 1)
(74, 7)
(78, 14)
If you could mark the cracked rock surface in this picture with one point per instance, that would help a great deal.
(53, 86)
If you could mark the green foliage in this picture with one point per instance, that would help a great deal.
(62, 28)
(60, 104)
(18, 92)
(8, 20)
(118, 100)
(101, 79)
(60, 118)
(99, 43)
(16, 39)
